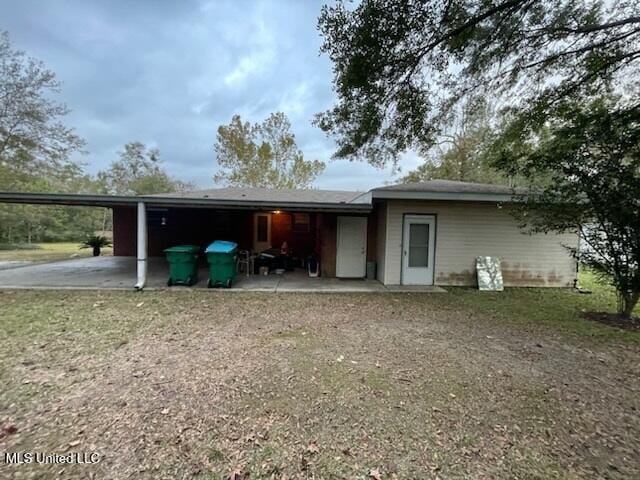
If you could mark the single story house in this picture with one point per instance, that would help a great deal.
(417, 234)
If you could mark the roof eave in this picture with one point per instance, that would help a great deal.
(121, 200)
(447, 196)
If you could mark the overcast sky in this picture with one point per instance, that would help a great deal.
(167, 73)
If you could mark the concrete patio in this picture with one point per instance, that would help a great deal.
(118, 273)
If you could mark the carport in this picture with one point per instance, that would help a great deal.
(144, 225)
(117, 273)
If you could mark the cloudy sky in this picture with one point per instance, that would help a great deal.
(167, 73)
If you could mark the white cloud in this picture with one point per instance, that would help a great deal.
(170, 72)
(252, 65)
(257, 37)
(295, 101)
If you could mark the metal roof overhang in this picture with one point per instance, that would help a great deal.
(91, 200)
(447, 196)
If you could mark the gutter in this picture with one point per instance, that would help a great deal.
(360, 204)
(448, 196)
(120, 200)
(141, 264)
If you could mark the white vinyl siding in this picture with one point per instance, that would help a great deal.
(465, 230)
(381, 240)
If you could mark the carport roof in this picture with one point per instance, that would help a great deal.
(272, 195)
(223, 198)
(285, 199)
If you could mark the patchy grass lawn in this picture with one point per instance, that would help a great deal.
(199, 384)
(49, 252)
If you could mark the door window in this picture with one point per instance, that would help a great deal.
(262, 234)
(418, 245)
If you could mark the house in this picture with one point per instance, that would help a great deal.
(417, 234)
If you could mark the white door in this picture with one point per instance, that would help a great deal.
(261, 231)
(418, 248)
(351, 255)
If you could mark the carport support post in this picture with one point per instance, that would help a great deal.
(142, 246)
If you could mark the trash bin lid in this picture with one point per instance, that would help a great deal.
(221, 246)
(183, 249)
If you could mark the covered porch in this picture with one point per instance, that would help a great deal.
(308, 223)
(291, 236)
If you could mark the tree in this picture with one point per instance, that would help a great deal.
(401, 70)
(588, 155)
(138, 172)
(461, 155)
(400, 67)
(32, 137)
(35, 151)
(263, 155)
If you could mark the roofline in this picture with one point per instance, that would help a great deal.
(96, 200)
(362, 205)
(450, 196)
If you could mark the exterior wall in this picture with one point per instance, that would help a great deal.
(195, 226)
(328, 226)
(380, 215)
(301, 243)
(372, 238)
(124, 231)
(465, 230)
(182, 226)
(328, 233)
(201, 226)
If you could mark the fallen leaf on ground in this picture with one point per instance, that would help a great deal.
(375, 474)
(236, 474)
(7, 430)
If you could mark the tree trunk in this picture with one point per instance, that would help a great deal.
(104, 221)
(96, 251)
(629, 302)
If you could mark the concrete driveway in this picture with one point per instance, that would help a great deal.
(93, 272)
(120, 273)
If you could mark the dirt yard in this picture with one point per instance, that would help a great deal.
(214, 385)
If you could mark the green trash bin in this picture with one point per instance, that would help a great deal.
(183, 264)
(221, 256)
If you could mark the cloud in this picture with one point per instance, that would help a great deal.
(169, 73)
(258, 61)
